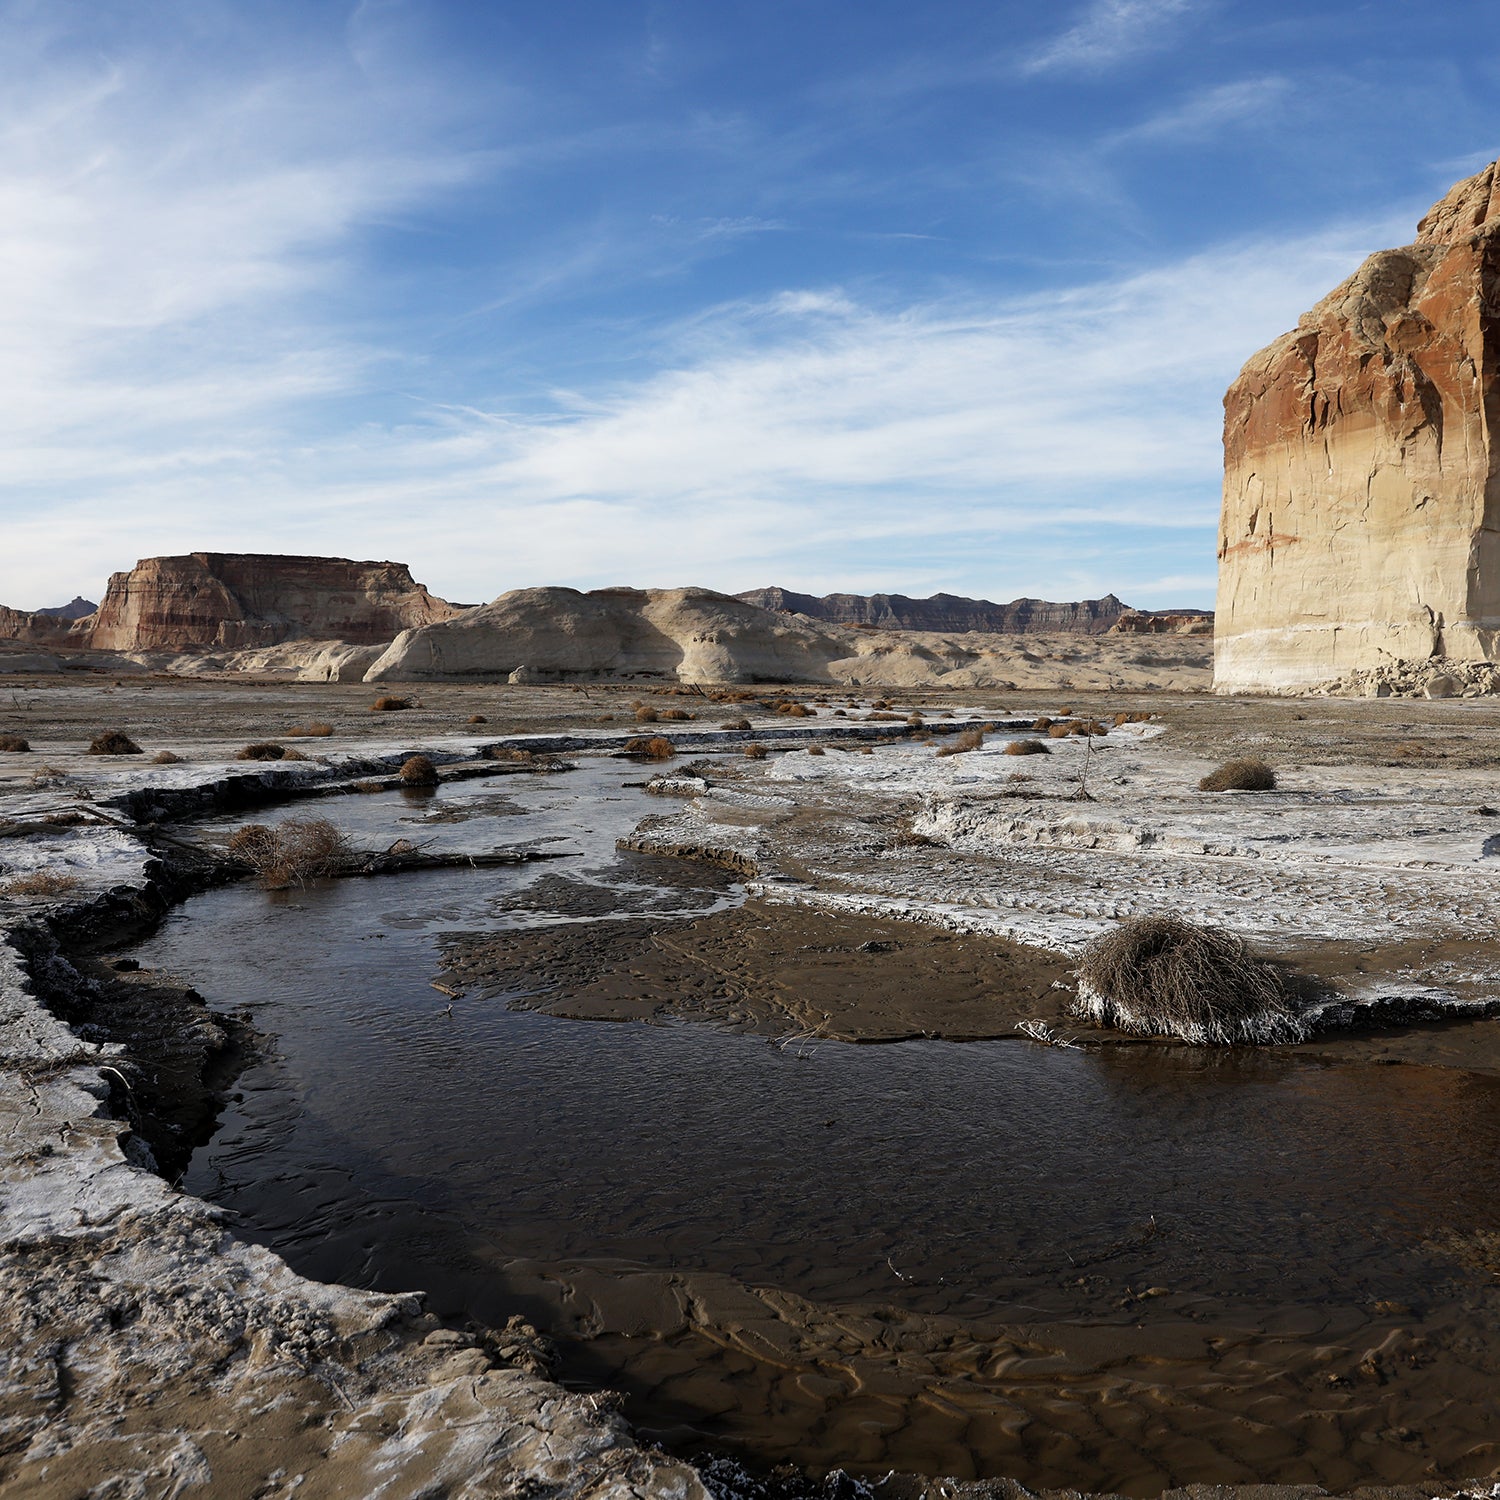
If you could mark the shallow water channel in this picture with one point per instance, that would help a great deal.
(1111, 1268)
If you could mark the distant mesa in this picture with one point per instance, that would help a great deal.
(1360, 530)
(77, 608)
(239, 600)
(956, 614)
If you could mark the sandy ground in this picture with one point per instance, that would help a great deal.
(889, 892)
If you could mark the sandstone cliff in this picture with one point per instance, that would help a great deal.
(1361, 512)
(235, 601)
(945, 612)
(37, 626)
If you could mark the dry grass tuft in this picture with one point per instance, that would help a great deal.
(658, 747)
(1162, 976)
(262, 750)
(387, 703)
(736, 724)
(166, 758)
(677, 715)
(796, 710)
(13, 744)
(1059, 731)
(419, 771)
(292, 753)
(310, 731)
(291, 852)
(1042, 723)
(478, 719)
(1247, 774)
(114, 742)
(644, 715)
(914, 721)
(368, 788)
(969, 739)
(755, 752)
(815, 750)
(509, 752)
(43, 883)
(1026, 747)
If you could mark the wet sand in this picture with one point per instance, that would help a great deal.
(774, 970)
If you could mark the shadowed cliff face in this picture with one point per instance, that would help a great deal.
(235, 601)
(1359, 516)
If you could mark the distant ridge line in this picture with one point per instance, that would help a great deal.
(954, 612)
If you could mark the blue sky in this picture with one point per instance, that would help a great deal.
(835, 294)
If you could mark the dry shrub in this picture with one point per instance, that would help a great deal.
(736, 724)
(644, 715)
(114, 742)
(677, 715)
(970, 739)
(13, 743)
(839, 713)
(262, 750)
(914, 721)
(165, 758)
(478, 719)
(867, 751)
(1042, 723)
(755, 752)
(1163, 976)
(1059, 731)
(368, 788)
(658, 747)
(387, 703)
(815, 750)
(289, 853)
(292, 753)
(43, 883)
(311, 731)
(796, 710)
(1247, 774)
(418, 771)
(1123, 719)
(1027, 747)
(881, 703)
(605, 719)
(509, 752)
(883, 718)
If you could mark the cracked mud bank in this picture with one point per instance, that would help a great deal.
(150, 1350)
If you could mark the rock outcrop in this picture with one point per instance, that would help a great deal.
(37, 626)
(1361, 513)
(697, 636)
(239, 601)
(560, 634)
(943, 612)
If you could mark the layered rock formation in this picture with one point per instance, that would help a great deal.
(1361, 513)
(943, 612)
(37, 626)
(697, 636)
(236, 601)
(554, 634)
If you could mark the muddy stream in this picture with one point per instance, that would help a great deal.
(1110, 1268)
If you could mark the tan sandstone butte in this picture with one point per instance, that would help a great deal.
(236, 601)
(1361, 494)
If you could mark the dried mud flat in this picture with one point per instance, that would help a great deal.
(147, 1350)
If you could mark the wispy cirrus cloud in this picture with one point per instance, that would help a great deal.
(1109, 32)
(1202, 115)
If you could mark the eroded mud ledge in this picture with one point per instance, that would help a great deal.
(145, 1290)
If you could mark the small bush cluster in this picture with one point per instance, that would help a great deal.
(645, 715)
(1026, 747)
(418, 771)
(509, 752)
(736, 724)
(796, 710)
(13, 744)
(755, 752)
(289, 853)
(677, 715)
(165, 758)
(311, 731)
(263, 750)
(43, 883)
(968, 739)
(1247, 774)
(815, 750)
(657, 747)
(387, 703)
(114, 742)
(1163, 976)
(478, 719)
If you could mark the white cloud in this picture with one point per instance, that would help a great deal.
(1207, 112)
(1109, 32)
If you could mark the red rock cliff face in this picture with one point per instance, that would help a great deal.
(231, 601)
(24, 625)
(1361, 503)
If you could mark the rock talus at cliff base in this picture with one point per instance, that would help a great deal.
(1361, 513)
